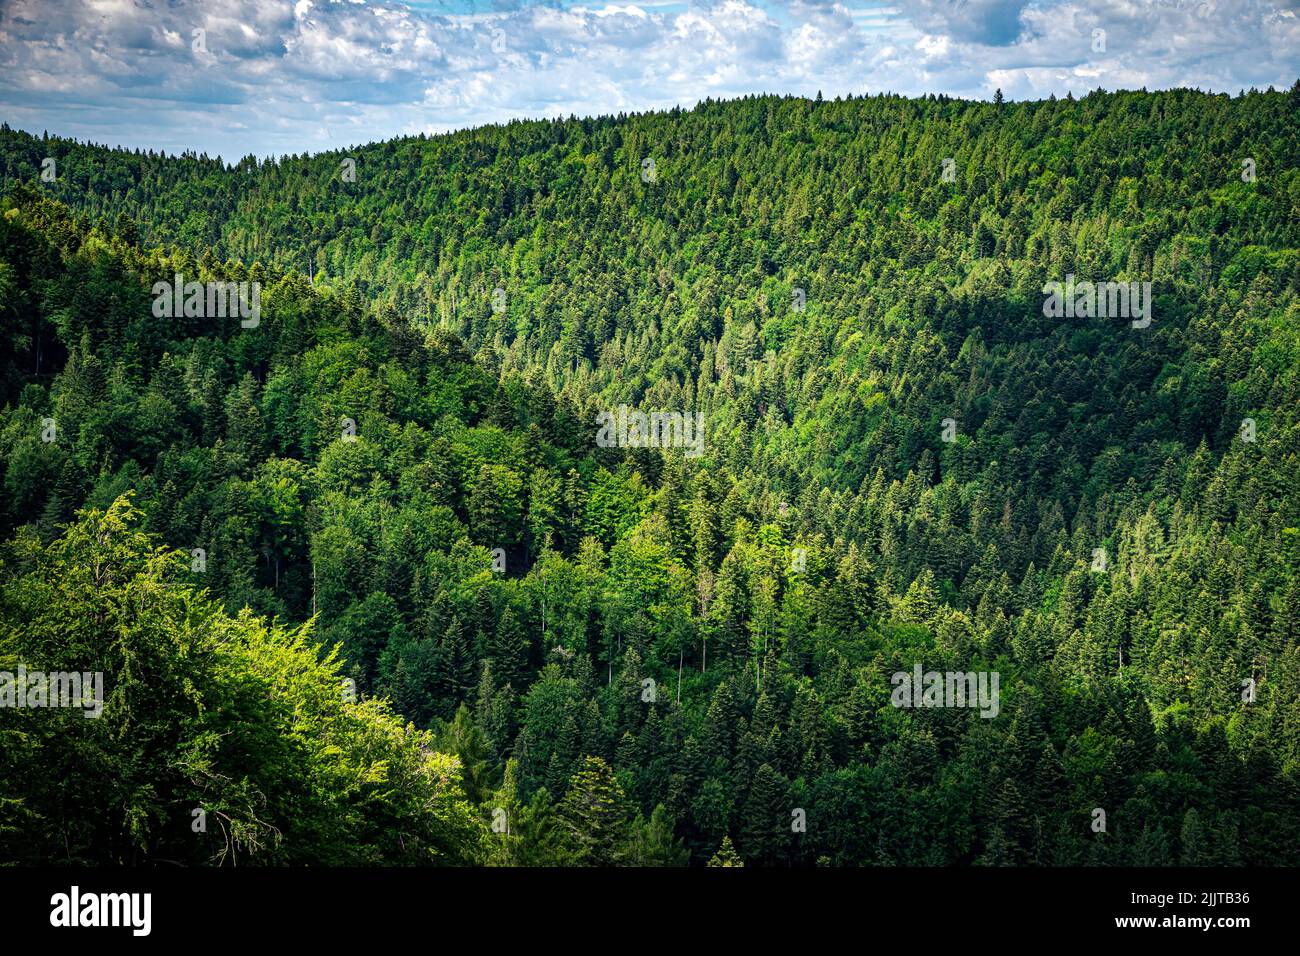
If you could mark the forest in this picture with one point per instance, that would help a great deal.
(367, 587)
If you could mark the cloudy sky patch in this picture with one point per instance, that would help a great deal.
(233, 77)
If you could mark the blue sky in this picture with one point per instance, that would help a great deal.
(279, 76)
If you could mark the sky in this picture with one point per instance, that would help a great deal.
(271, 77)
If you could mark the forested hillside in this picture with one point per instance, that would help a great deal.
(634, 655)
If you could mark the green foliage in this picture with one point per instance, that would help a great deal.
(242, 720)
(726, 855)
(655, 670)
(595, 812)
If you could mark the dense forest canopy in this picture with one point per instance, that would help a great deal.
(565, 652)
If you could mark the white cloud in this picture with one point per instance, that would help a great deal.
(284, 75)
(933, 46)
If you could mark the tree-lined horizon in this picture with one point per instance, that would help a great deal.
(567, 654)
